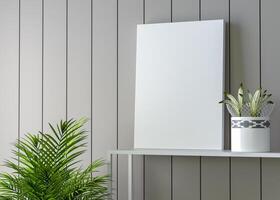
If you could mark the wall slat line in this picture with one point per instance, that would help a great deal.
(245, 179)
(215, 180)
(186, 173)
(219, 9)
(54, 80)
(270, 179)
(157, 169)
(186, 178)
(79, 65)
(244, 44)
(9, 70)
(270, 62)
(31, 67)
(130, 13)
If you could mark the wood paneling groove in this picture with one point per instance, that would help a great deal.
(260, 42)
(199, 16)
(261, 178)
(66, 55)
(200, 177)
(9, 76)
(19, 66)
(229, 174)
(43, 48)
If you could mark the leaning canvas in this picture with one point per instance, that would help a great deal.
(179, 82)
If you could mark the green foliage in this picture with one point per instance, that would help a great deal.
(245, 101)
(257, 101)
(236, 104)
(45, 167)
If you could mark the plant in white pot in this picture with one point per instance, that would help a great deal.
(250, 122)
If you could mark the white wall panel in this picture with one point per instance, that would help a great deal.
(130, 13)
(30, 66)
(9, 71)
(79, 65)
(54, 57)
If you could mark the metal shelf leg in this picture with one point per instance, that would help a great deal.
(130, 177)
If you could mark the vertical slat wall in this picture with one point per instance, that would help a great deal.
(158, 180)
(269, 60)
(104, 77)
(185, 10)
(215, 178)
(245, 179)
(211, 168)
(245, 67)
(219, 9)
(9, 73)
(185, 171)
(186, 178)
(54, 61)
(244, 43)
(130, 13)
(31, 67)
(79, 64)
(158, 169)
(72, 58)
(270, 179)
(104, 80)
(270, 48)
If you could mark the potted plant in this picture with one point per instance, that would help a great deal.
(45, 167)
(250, 122)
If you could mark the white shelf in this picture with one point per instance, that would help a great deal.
(191, 152)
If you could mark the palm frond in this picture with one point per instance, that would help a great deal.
(45, 166)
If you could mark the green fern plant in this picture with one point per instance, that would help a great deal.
(44, 167)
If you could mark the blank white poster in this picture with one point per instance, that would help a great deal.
(179, 82)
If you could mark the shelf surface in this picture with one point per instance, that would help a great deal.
(195, 152)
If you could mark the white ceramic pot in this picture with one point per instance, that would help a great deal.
(250, 134)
